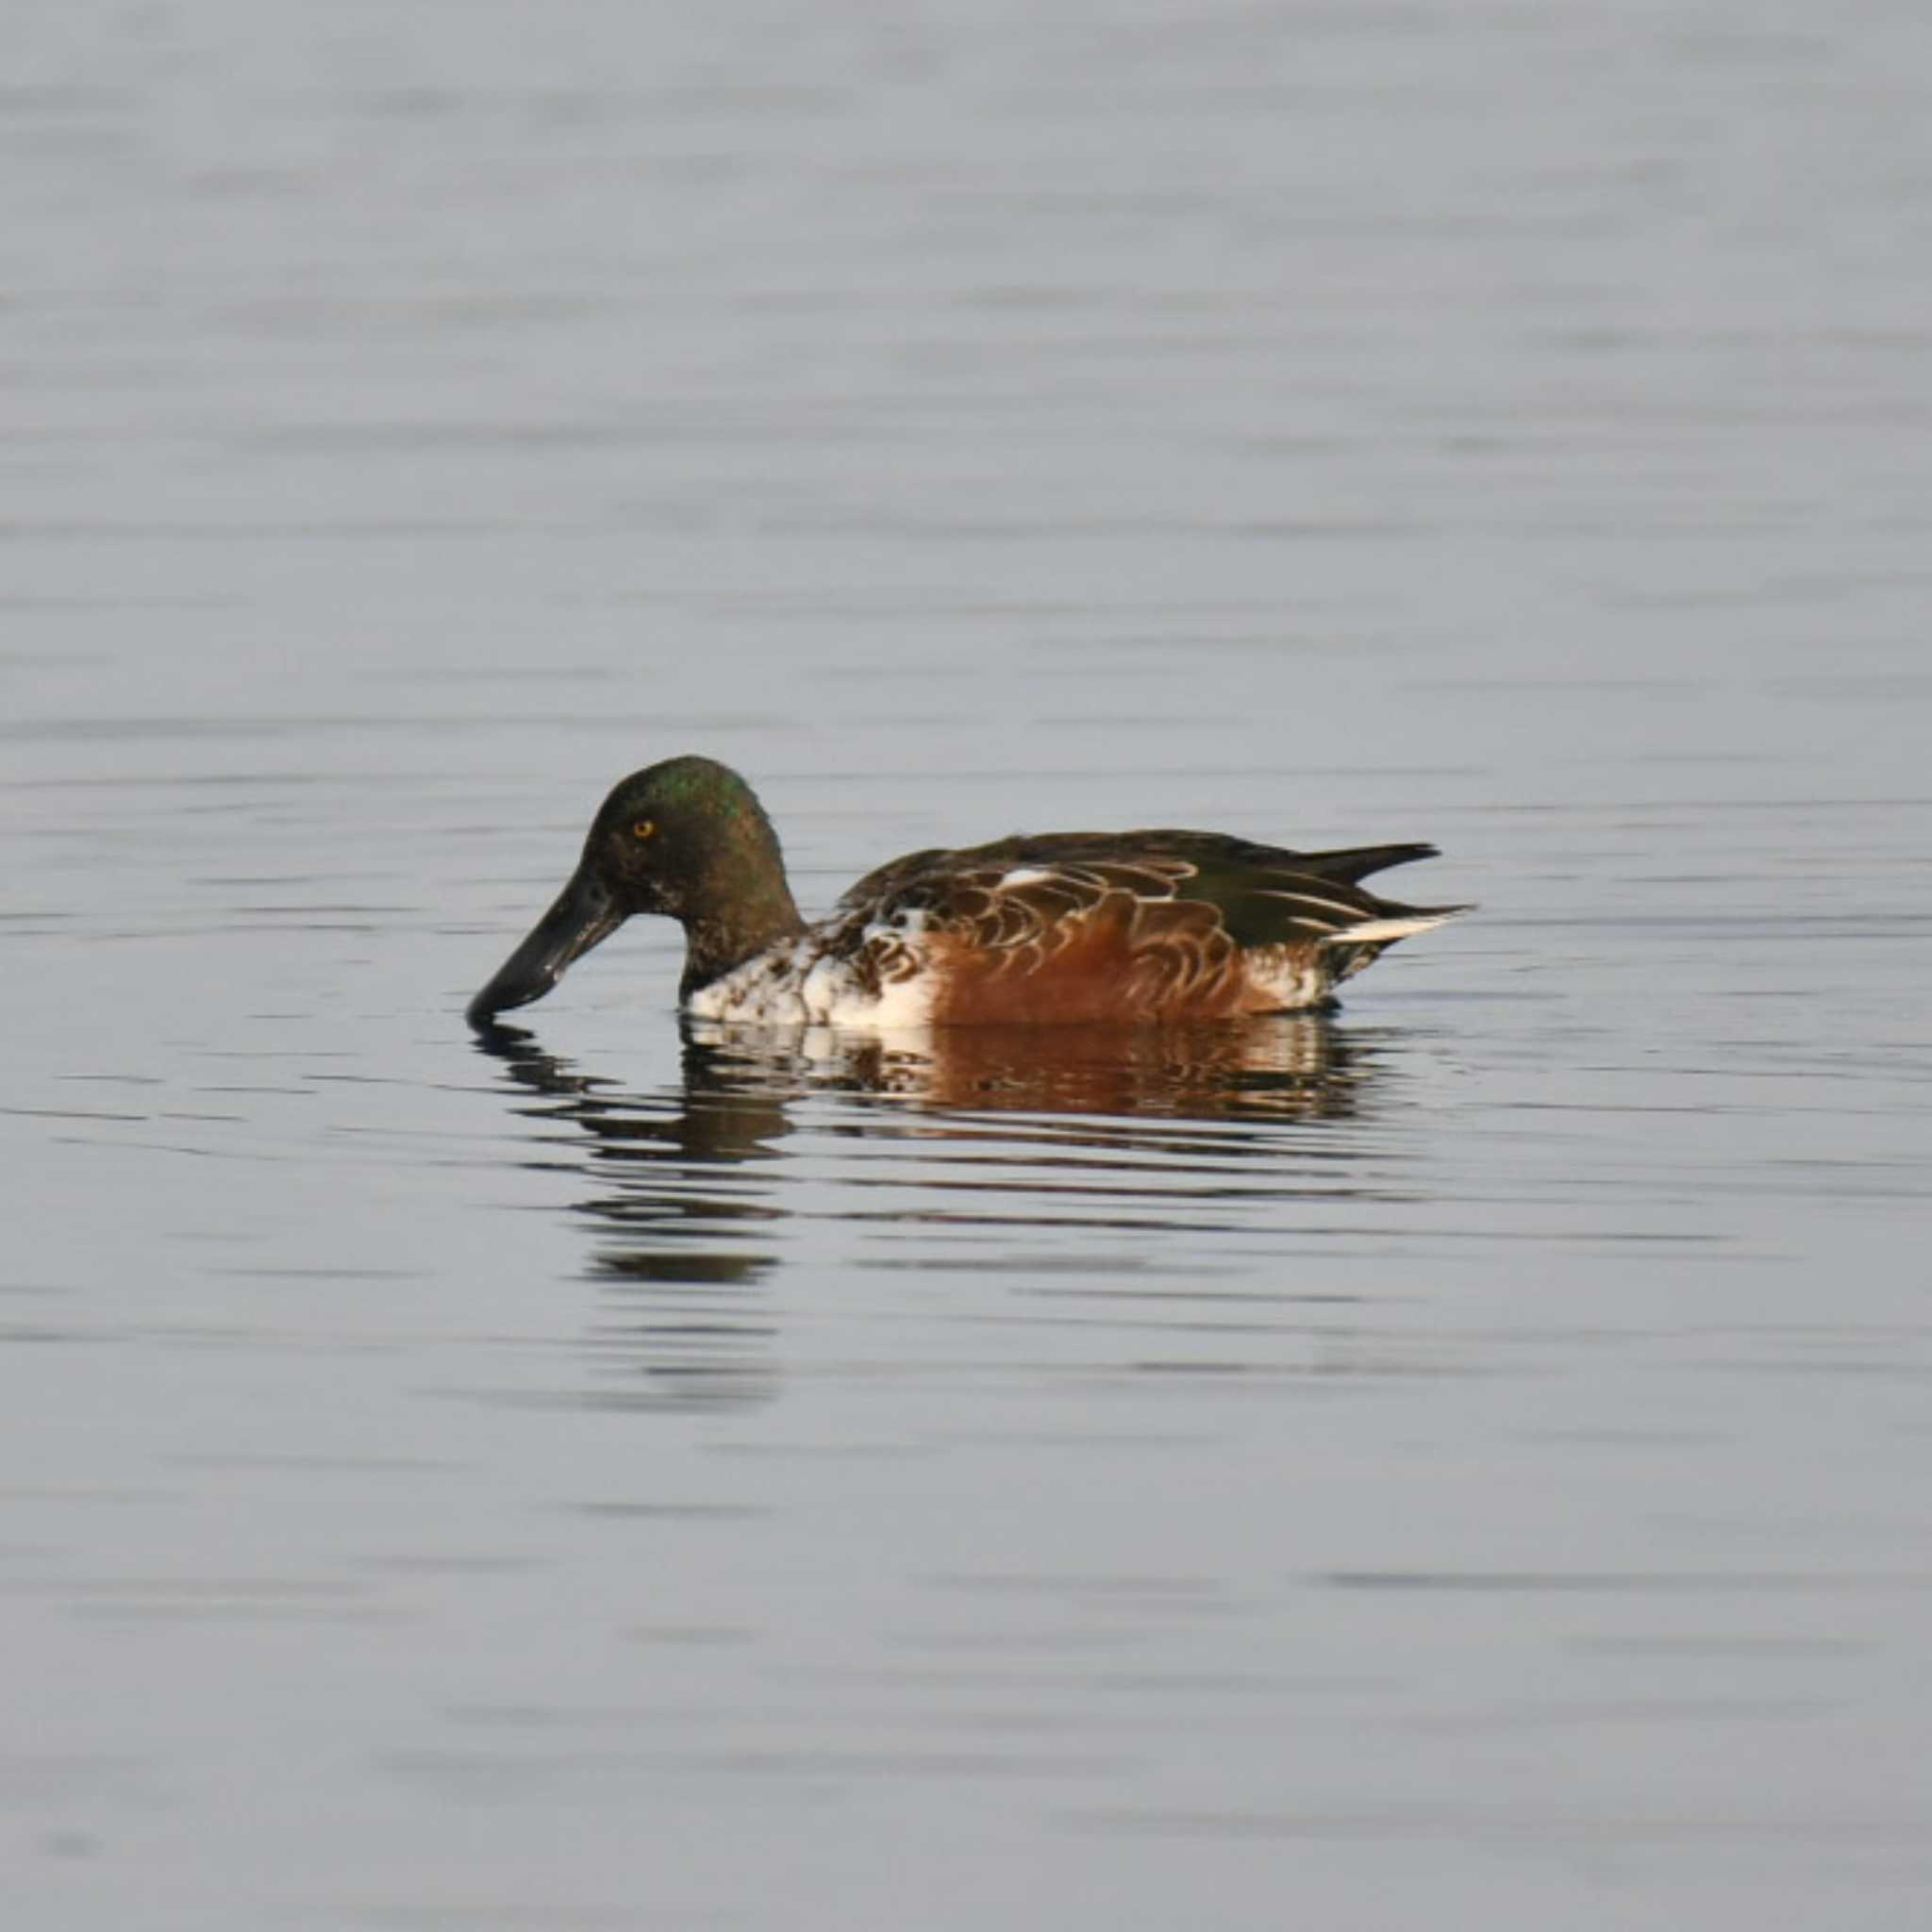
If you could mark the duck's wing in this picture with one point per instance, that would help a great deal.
(1019, 891)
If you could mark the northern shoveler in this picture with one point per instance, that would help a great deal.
(1062, 926)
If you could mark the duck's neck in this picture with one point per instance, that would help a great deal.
(741, 905)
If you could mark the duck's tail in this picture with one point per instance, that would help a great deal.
(1355, 863)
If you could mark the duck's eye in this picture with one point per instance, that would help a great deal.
(644, 829)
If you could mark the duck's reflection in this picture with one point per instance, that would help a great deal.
(1288, 1066)
(689, 1188)
(679, 1220)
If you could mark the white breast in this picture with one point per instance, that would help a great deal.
(803, 982)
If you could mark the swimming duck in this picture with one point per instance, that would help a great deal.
(1061, 927)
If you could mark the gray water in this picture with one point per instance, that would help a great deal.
(1459, 1462)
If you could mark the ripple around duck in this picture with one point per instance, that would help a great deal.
(1255, 1111)
(1048, 1157)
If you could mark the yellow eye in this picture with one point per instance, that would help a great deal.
(644, 829)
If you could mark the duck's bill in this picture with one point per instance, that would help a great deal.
(585, 914)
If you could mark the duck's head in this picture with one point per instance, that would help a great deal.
(686, 839)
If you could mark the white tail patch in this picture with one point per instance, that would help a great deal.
(1299, 899)
(1380, 932)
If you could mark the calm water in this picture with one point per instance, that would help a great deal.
(1461, 1462)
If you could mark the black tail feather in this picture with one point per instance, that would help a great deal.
(1357, 861)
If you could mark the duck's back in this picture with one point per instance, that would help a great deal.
(1162, 923)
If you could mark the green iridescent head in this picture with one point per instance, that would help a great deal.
(686, 839)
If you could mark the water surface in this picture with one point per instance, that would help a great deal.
(1463, 1457)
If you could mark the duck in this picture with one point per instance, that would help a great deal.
(1046, 928)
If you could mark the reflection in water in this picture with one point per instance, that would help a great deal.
(678, 1220)
(687, 1210)
(1295, 1066)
